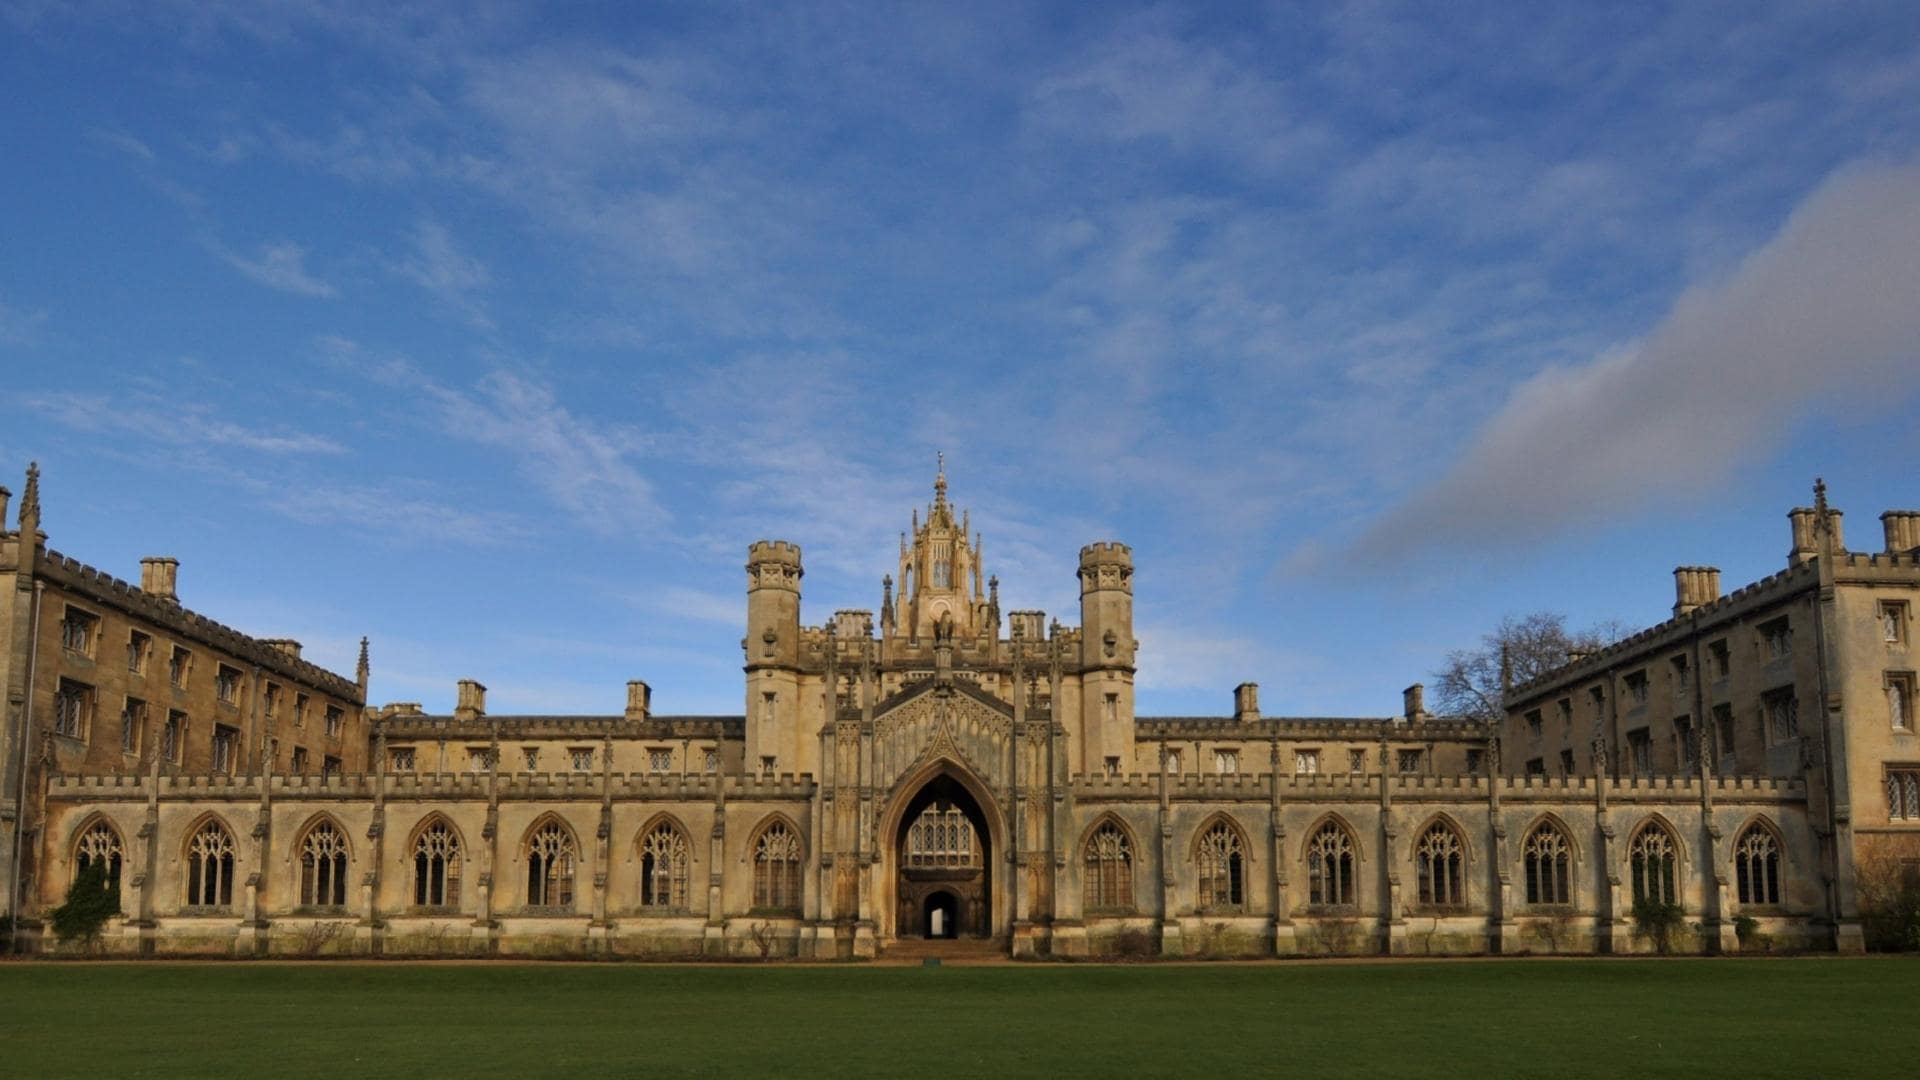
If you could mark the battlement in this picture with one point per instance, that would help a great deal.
(780, 551)
(1105, 552)
(95, 584)
(1768, 589)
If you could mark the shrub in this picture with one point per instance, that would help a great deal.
(1657, 921)
(1890, 904)
(91, 901)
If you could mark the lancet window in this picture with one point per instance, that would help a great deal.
(1652, 856)
(1756, 866)
(942, 837)
(100, 844)
(1549, 860)
(663, 869)
(323, 867)
(1222, 863)
(1108, 882)
(210, 867)
(1330, 867)
(776, 869)
(1439, 865)
(436, 867)
(550, 861)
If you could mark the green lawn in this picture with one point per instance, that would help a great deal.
(1613, 1018)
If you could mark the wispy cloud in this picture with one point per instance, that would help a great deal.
(436, 264)
(174, 422)
(585, 467)
(121, 142)
(1823, 313)
(280, 266)
(19, 327)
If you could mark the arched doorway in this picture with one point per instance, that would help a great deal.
(943, 915)
(943, 883)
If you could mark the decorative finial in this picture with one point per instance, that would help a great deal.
(1820, 499)
(362, 669)
(940, 478)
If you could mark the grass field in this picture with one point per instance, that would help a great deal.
(1614, 1018)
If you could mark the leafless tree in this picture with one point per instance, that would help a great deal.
(1469, 683)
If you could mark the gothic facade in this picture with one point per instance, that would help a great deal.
(950, 770)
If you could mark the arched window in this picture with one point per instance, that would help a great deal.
(663, 869)
(550, 859)
(1756, 866)
(1330, 867)
(1651, 856)
(1222, 868)
(210, 867)
(942, 837)
(1549, 866)
(99, 844)
(323, 867)
(1438, 863)
(436, 866)
(1108, 883)
(776, 869)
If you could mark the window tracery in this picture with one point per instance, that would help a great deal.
(1756, 866)
(100, 844)
(1108, 884)
(436, 867)
(1438, 863)
(776, 869)
(1652, 856)
(663, 869)
(323, 867)
(942, 837)
(550, 861)
(1549, 860)
(1222, 867)
(210, 867)
(1330, 867)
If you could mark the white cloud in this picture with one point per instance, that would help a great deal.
(280, 266)
(178, 423)
(1823, 313)
(438, 265)
(585, 467)
(19, 327)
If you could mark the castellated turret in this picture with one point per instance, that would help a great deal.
(1106, 649)
(772, 649)
(773, 605)
(1106, 606)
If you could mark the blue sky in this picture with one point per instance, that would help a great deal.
(496, 334)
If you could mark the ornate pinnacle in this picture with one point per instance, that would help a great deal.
(30, 499)
(1820, 499)
(361, 669)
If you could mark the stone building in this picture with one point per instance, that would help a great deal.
(942, 769)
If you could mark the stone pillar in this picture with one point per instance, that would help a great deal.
(1284, 943)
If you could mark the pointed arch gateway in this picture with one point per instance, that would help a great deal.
(943, 833)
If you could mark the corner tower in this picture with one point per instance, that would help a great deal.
(1107, 650)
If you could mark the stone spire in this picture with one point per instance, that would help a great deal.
(941, 515)
(361, 670)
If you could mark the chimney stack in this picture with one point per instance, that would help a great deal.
(1694, 586)
(472, 702)
(285, 645)
(1902, 526)
(1414, 702)
(639, 699)
(1246, 702)
(160, 578)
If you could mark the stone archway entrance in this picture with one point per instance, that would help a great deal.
(943, 884)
